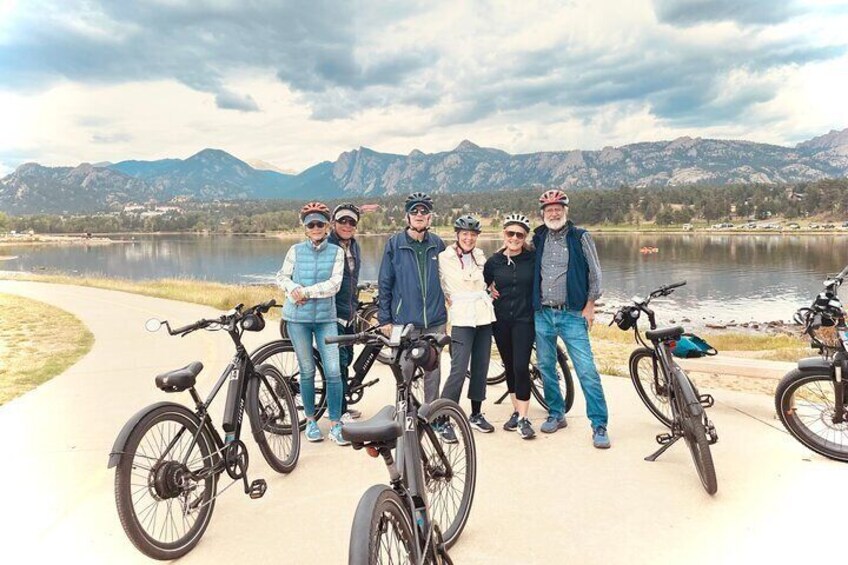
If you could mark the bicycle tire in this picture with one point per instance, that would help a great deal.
(800, 426)
(129, 494)
(656, 397)
(565, 380)
(280, 355)
(380, 512)
(463, 461)
(272, 411)
(695, 432)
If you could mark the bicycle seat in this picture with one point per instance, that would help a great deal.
(662, 334)
(179, 379)
(382, 427)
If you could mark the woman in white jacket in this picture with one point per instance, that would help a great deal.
(471, 315)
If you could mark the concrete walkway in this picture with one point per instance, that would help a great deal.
(551, 500)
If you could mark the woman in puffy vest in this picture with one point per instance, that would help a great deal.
(311, 276)
(471, 316)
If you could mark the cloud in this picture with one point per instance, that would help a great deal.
(231, 101)
(109, 138)
(745, 12)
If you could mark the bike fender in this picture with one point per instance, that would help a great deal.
(815, 365)
(123, 436)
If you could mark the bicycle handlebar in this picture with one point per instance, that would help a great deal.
(236, 316)
(667, 289)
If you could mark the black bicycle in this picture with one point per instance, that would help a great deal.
(422, 514)
(497, 375)
(666, 389)
(169, 458)
(810, 399)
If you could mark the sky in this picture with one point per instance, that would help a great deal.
(297, 83)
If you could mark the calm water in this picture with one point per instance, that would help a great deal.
(740, 277)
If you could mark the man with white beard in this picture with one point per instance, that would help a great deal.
(566, 284)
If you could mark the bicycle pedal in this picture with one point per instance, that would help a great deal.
(712, 434)
(258, 488)
(706, 400)
(663, 439)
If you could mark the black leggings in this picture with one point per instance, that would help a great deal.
(515, 342)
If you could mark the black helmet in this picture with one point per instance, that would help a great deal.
(467, 223)
(418, 199)
(347, 210)
(517, 219)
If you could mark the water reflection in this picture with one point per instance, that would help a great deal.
(741, 277)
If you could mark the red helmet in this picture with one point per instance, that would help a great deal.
(315, 208)
(553, 196)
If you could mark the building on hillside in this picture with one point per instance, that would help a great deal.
(367, 208)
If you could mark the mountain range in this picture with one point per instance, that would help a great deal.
(214, 174)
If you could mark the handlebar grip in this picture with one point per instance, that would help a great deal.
(442, 339)
(676, 285)
(342, 339)
(265, 306)
(184, 328)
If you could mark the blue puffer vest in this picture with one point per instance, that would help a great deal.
(313, 265)
(577, 276)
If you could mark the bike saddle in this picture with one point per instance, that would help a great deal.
(179, 379)
(381, 428)
(661, 334)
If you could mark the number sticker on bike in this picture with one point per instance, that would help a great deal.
(409, 424)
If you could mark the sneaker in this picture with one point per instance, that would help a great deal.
(552, 424)
(600, 437)
(479, 423)
(445, 430)
(335, 435)
(350, 416)
(525, 429)
(313, 432)
(512, 423)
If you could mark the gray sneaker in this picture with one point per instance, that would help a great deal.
(525, 429)
(552, 424)
(512, 423)
(479, 422)
(600, 437)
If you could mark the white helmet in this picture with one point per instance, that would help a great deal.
(516, 218)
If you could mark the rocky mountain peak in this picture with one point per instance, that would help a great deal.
(466, 146)
(832, 139)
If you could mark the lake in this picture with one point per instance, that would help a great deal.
(731, 277)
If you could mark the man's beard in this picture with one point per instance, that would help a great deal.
(555, 225)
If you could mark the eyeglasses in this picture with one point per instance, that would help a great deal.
(347, 221)
(313, 225)
(515, 234)
(419, 212)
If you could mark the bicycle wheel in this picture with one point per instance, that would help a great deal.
(164, 509)
(496, 374)
(806, 404)
(564, 378)
(650, 384)
(272, 411)
(450, 469)
(382, 529)
(280, 355)
(694, 424)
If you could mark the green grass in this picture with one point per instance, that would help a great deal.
(37, 342)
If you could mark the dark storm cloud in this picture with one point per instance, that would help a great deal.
(743, 12)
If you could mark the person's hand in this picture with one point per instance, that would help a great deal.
(386, 329)
(298, 296)
(448, 301)
(494, 292)
(589, 314)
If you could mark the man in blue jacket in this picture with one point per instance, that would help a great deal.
(345, 219)
(566, 284)
(410, 290)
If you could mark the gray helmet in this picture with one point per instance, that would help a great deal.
(467, 223)
(346, 209)
(517, 219)
(418, 199)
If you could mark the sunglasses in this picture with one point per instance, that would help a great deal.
(419, 212)
(347, 221)
(515, 234)
(313, 225)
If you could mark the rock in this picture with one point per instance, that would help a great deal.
(686, 320)
(716, 326)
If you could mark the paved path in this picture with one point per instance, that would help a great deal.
(551, 500)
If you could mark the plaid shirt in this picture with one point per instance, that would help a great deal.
(555, 267)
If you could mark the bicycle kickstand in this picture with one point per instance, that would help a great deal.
(502, 398)
(667, 440)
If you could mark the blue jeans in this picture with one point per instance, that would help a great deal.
(302, 335)
(572, 327)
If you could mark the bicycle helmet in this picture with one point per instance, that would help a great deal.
(346, 210)
(314, 211)
(553, 196)
(418, 199)
(517, 219)
(467, 223)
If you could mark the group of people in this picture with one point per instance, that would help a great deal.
(540, 285)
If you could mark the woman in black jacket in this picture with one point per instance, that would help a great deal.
(509, 275)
